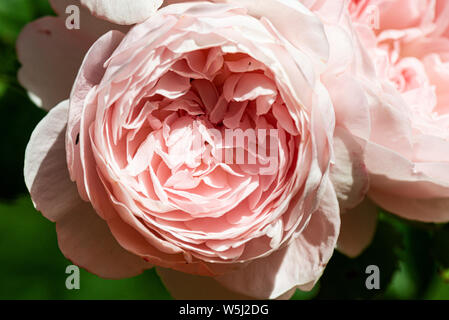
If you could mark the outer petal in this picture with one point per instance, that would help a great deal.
(435, 210)
(348, 175)
(358, 227)
(51, 54)
(283, 14)
(286, 13)
(351, 111)
(83, 237)
(89, 75)
(45, 166)
(299, 264)
(125, 12)
(391, 173)
(185, 286)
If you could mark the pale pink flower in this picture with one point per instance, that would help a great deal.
(404, 127)
(113, 164)
(409, 163)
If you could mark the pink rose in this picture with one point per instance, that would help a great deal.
(404, 127)
(118, 167)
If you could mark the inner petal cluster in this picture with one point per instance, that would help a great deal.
(205, 154)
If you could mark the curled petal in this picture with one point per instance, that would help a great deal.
(83, 236)
(124, 12)
(185, 286)
(433, 210)
(358, 226)
(45, 166)
(348, 175)
(51, 56)
(298, 264)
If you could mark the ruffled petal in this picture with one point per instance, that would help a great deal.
(124, 12)
(45, 166)
(301, 263)
(185, 286)
(51, 56)
(358, 227)
(348, 175)
(308, 33)
(83, 236)
(432, 210)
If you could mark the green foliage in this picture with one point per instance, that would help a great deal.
(417, 266)
(440, 246)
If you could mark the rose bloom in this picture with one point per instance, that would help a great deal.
(112, 163)
(404, 127)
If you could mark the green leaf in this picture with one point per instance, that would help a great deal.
(417, 267)
(438, 290)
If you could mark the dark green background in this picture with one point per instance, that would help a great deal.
(413, 258)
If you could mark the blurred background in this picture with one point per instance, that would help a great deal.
(413, 258)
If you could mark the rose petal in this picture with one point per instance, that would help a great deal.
(358, 227)
(89, 75)
(298, 264)
(185, 286)
(351, 111)
(124, 12)
(284, 14)
(46, 146)
(392, 173)
(433, 210)
(83, 237)
(348, 175)
(50, 55)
